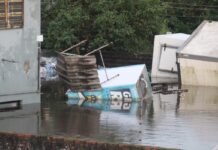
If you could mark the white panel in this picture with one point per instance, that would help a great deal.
(199, 98)
(172, 40)
(168, 59)
(199, 73)
(203, 41)
(126, 75)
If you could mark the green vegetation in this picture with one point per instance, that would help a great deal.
(129, 24)
(185, 15)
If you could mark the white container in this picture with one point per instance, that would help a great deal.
(198, 57)
(164, 67)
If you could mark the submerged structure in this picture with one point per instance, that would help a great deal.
(198, 57)
(126, 85)
(164, 67)
(19, 52)
(103, 88)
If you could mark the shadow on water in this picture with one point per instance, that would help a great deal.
(186, 120)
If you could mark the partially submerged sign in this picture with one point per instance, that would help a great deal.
(125, 85)
(198, 57)
(105, 88)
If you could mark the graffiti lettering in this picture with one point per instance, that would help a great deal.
(120, 100)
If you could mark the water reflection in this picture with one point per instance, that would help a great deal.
(164, 102)
(24, 119)
(199, 98)
(194, 98)
(185, 120)
(61, 118)
(69, 121)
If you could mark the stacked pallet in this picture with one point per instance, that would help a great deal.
(79, 72)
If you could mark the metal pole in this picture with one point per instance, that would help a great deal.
(78, 44)
(103, 64)
(98, 49)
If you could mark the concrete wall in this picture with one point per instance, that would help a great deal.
(20, 46)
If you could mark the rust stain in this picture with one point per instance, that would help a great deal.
(26, 66)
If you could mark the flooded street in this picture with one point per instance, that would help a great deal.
(186, 121)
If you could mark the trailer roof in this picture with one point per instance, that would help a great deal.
(178, 36)
(203, 41)
(128, 75)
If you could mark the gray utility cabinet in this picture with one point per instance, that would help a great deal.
(19, 58)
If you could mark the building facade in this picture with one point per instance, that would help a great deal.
(19, 50)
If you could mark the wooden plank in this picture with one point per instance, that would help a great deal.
(85, 88)
(76, 63)
(79, 72)
(79, 78)
(86, 68)
(74, 76)
(81, 85)
(77, 59)
(74, 46)
(68, 69)
(76, 67)
(98, 49)
(80, 62)
(84, 84)
(68, 58)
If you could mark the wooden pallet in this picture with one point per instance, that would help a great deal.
(79, 72)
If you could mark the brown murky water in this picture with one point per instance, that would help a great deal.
(187, 121)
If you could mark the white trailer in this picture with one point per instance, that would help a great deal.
(164, 67)
(198, 57)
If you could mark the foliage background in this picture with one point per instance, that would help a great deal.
(129, 24)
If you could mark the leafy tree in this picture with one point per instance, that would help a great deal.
(185, 15)
(129, 24)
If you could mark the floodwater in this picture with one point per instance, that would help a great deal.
(187, 120)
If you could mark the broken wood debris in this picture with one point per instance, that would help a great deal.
(79, 72)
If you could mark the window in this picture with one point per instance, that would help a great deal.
(11, 14)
